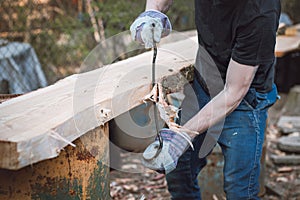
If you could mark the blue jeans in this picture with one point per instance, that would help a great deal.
(241, 140)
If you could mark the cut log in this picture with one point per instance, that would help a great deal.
(286, 159)
(289, 144)
(289, 124)
(36, 126)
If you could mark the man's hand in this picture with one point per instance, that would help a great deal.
(174, 145)
(150, 27)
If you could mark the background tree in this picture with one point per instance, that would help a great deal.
(292, 8)
(64, 32)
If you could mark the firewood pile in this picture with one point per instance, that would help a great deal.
(283, 157)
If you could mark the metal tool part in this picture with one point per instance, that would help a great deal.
(160, 146)
(155, 148)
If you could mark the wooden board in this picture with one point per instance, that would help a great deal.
(36, 126)
(288, 43)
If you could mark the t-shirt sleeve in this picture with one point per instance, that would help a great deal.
(255, 40)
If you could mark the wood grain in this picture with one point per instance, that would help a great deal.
(80, 103)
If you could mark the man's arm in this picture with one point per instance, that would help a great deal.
(160, 5)
(238, 80)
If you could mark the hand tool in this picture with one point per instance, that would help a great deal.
(159, 147)
(160, 140)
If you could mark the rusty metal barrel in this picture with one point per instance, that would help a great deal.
(79, 172)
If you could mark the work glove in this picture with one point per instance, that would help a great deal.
(150, 27)
(174, 145)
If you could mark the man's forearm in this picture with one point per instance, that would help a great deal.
(220, 106)
(239, 79)
(160, 5)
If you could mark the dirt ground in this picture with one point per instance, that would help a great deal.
(281, 181)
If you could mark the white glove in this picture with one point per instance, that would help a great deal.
(150, 27)
(174, 145)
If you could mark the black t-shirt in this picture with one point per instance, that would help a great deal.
(244, 30)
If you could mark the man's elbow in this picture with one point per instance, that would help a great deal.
(238, 81)
(236, 94)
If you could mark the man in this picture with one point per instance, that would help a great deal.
(234, 88)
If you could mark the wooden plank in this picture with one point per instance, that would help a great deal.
(288, 43)
(77, 173)
(30, 124)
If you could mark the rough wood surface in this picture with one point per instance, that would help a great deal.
(36, 126)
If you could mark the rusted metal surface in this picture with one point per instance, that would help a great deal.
(77, 173)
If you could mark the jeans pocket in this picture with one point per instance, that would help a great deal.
(245, 106)
(266, 100)
(251, 99)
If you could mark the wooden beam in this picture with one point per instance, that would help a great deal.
(286, 44)
(289, 42)
(36, 126)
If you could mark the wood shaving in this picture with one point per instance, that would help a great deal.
(167, 112)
